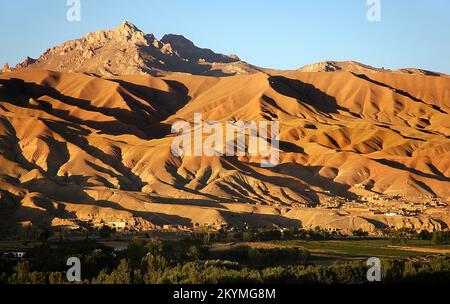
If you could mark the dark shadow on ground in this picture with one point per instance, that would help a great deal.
(398, 91)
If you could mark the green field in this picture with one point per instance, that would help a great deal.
(354, 249)
(322, 252)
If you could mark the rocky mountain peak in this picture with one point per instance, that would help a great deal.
(130, 32)
(127, 50)
(127, 27)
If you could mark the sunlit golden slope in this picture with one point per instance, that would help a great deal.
(74, 146)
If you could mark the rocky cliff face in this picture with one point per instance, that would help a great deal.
(127, 50)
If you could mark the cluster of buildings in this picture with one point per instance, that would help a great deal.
(380, 204)
(119, 225)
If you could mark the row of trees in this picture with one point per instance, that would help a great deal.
(402, 236)
(190, 261)
(397, 236)
(156, 270)
(264, 235)
(441, 237)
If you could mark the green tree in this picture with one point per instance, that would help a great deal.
(22, 274)
(56, 278)
(38, 278)
(360, 233)
(193, 253)
(105, 232)
(154, 247)
(441, 237)
(121, 275)
(425, 235)
(4, 278)
(136, 251)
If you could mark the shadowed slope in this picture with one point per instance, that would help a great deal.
(101, 148)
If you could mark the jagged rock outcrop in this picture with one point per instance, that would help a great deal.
(5, 68)
(126, 50)
(27, 62)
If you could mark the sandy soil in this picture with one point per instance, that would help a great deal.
(79, 147)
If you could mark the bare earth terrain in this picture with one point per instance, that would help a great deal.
(361, 148)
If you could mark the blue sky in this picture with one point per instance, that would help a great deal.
(284, 34)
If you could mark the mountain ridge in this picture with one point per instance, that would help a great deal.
(76, 148)
(360, 147)
(358, 67)
(126, 50)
